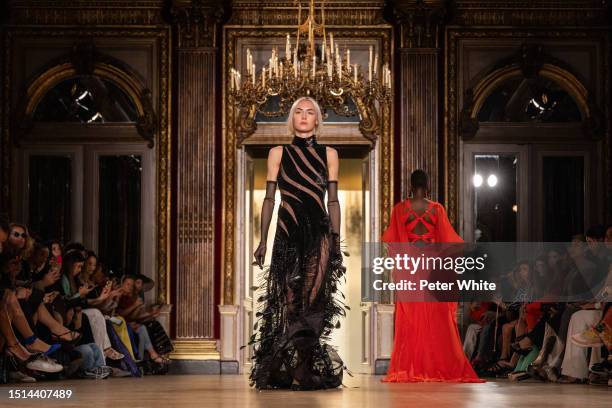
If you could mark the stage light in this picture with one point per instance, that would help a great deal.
(492, 180)
(477, 180)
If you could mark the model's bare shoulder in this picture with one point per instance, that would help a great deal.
(275, 153)
(331, 153)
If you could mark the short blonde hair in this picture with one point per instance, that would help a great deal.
(318, 127)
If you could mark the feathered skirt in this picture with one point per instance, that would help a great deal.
(300, 305)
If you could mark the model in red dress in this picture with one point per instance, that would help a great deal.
(426, 346)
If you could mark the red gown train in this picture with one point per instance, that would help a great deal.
(426, 346)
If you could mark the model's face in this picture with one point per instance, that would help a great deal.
(305, 117)
(56, 250)
(92, 262)
(17, 238)
(540, 266)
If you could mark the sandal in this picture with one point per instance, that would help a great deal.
(113, 354)
(16, 355)
(74, 337)
(161, 360)
(518, 376)
(496, 370)
(28, 341)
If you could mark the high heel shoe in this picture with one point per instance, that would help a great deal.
(74, 337)
(28, 341)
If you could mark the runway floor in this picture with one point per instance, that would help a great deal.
(360, 391)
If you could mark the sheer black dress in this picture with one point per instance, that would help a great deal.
(300, 304)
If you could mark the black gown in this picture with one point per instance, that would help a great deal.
(299, 306)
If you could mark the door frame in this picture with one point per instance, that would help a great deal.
(370, 166)
(466, 204)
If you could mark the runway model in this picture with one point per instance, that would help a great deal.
(426, 346)
(299, 307)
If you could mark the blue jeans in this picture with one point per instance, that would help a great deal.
(144, 341)
(92, 356)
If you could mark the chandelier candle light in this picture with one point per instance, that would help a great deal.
(329, 77)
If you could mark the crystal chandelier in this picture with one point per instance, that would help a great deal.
(325, 74)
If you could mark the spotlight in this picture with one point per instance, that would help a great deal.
(477, 180)
(492, 180)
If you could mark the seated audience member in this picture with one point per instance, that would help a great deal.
(75, 295)
(27, 351)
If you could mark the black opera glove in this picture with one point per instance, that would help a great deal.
(266, 216)
(333, 208)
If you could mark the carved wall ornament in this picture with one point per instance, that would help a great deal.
(420, 22)
(88, 13)
(197, 21)
(532, 13)
(283, 12)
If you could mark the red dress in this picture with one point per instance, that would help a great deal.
(426, 346)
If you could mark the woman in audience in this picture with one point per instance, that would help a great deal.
(55, 249)
(10, 315)
(132, 309)
(22, 243)
(75, 294)
(91, 262)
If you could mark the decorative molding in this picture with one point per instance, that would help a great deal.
(87, 13)
(284, 13)
(530, 13)
(229, 346)
(420, 22)
(162, 37)
(196, 22)
(195, 350)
